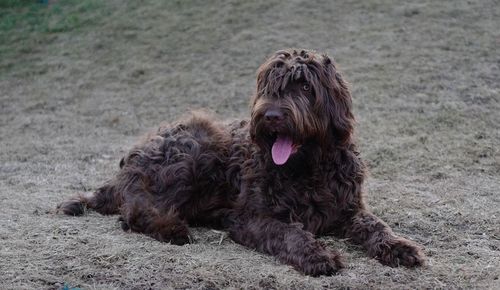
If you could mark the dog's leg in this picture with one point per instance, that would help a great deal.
(288, 243)
(142, 217)
(381, 243)
(103, 201)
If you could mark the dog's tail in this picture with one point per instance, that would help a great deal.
(103, 200)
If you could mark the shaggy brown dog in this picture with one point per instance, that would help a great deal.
(291, 173)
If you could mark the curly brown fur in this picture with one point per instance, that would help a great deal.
(275, 182)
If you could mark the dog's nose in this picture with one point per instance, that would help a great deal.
(274, 115)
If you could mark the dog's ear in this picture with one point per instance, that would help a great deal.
(337, 103)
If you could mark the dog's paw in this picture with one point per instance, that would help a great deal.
(123, 224)
(402, 252)
(73, 206)
(324, 263)
(176, 235)
(180, 240)
(167, 231)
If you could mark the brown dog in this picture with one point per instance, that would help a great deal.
(290, 173)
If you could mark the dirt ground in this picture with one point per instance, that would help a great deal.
(425, 77)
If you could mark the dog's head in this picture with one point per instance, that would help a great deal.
(300, 99)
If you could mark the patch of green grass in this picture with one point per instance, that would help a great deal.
(34, 16)
(16, 3)
(29, 26)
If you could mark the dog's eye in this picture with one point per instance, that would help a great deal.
(305, 87)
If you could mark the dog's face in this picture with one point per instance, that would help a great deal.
(300, 98)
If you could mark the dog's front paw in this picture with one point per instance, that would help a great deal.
(402, 252)
(324, 263)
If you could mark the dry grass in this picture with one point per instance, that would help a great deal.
(80, 83)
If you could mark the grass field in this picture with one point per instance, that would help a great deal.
(81, 80)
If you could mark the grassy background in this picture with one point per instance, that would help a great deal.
(81, 80)
(29, 29)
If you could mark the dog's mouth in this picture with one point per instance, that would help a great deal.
(283, 147)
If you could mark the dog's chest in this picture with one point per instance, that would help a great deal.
(309, 202)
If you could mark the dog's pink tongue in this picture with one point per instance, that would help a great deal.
(282, 148)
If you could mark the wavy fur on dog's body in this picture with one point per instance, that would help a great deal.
(203, 173)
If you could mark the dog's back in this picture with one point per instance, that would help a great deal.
(189, 171)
